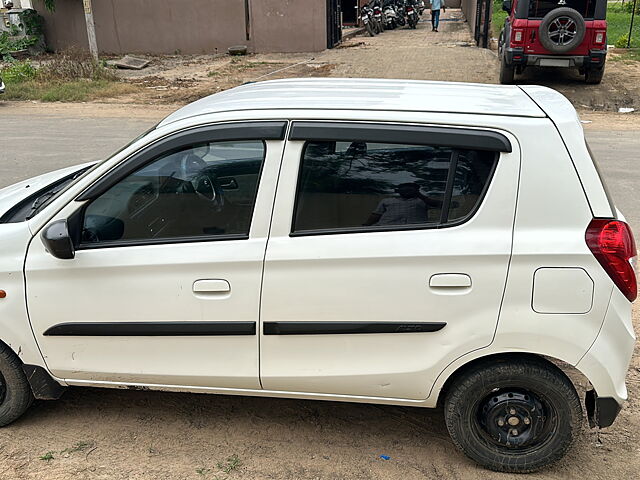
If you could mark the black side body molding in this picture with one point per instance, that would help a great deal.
(267, 130)
(42, 385)
(336, 328)
(152, 329)
(462, 138)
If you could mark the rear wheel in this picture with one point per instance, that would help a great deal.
(15, 392)
(507, 72)
(513, 414)
(594, 75)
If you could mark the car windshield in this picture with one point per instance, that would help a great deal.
(539, 8)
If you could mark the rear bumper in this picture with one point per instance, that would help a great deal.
(601, 411)
(606, 363)
(595, 59)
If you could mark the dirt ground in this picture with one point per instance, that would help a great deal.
(414, 54)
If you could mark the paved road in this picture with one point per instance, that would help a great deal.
(39, 143)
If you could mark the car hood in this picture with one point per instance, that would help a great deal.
(11, 195)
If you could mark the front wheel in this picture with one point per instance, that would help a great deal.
(370, 30)
(513, 414)
(15, 393)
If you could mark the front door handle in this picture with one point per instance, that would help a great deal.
(211, 286)
(450, 280)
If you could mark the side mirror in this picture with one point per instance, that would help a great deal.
(506, 6)
(57, 240)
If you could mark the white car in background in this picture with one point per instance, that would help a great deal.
(383, 241)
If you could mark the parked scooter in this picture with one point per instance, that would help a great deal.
(390, 15)
(421, 7)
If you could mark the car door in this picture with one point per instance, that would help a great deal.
(165, 284)
(387, 257)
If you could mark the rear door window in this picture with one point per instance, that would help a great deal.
(539, 8)
(356, 186)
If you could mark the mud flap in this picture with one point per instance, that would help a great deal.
(43, 386)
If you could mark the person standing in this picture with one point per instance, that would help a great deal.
(436, 5)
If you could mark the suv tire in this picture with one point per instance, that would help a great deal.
(594, 75)
(15, 392)
(552, 26)
(515, 414)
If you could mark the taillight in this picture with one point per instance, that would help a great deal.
(600, 36)
(612, 243)
(517, 35)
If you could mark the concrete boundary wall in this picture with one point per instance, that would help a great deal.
(193, 27)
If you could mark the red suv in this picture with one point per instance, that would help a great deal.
(554, 33)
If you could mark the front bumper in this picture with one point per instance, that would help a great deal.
(595, 59)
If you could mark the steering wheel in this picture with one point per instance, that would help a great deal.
(207, 187)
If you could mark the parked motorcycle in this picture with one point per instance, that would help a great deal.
(421, 7)
(367, 16)
(399, 6)
(411, 11)
(378, 16)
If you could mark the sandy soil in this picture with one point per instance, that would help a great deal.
(121, 434)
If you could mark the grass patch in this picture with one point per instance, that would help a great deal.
(630, 55)
(71, 91)
(71, 76)
(618, 21)
(231, 464)
(47, 457)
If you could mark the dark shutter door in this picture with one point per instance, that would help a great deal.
(334, 30)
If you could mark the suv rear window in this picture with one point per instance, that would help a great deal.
(539, 8)
(359, 186)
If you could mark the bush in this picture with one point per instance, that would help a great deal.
(18, 72)
(74, 64)
(622, 41)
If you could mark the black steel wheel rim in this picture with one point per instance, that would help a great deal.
(515, 420)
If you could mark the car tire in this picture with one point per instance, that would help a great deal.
(515, 414)
(507, 72)
(548, 27)
(15, 392)
(594, 75)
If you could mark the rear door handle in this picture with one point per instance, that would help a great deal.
(450, 280)
(211, 286)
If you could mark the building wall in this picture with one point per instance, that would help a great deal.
(197, 26)
(289, 25)
(469, 10)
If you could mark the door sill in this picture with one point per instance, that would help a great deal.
(251, 392)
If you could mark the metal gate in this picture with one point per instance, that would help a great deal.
(334, 26)
(483, 23)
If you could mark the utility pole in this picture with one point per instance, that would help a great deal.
(633, 14)
(91, 28)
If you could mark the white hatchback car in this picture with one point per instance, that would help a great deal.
(395, 242)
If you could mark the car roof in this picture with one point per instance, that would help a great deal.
(366, 94)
